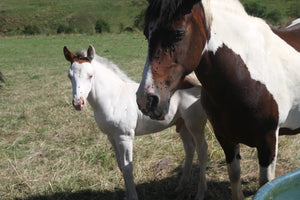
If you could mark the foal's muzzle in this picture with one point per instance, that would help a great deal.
(78, 103)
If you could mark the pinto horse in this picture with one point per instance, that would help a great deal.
(250, 74)
(112, 96)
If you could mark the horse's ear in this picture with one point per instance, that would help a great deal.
(68, 54)
(91, 53)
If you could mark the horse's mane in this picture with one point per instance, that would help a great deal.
(167, 11)
(109, 64)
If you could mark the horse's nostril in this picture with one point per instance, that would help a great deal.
(152, 101)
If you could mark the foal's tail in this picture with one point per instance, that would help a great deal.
(192, 79)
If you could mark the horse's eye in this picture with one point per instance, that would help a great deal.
(174, 37)
(90, 76)
(178, 35)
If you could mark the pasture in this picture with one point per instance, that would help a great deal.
(50, 151)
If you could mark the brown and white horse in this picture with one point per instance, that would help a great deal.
(250, 74)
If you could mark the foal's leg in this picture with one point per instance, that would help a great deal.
(189, 148)
(267, 154)
(124, 145)
(113, 143)
(198, 133)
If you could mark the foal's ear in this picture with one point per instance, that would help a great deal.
(91, 53)
(68, 54)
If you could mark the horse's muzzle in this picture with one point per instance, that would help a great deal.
(78, 103)
(148, 104)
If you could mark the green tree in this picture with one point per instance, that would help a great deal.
(102, 26)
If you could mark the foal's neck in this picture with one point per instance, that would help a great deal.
(106, 85)
(105, 76)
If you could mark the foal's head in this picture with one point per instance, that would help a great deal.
(176, 34)
(81, 75)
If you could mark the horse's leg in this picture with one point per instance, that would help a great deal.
(267, 154)
(198, 133)
(232, 154)
(124, 146)
(189, 148)
(234, 172)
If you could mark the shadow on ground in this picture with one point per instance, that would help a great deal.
(159, 190)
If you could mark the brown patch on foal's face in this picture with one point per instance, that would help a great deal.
(74, 58)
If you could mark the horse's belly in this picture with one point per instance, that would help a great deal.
(293, 119)
(235, 121)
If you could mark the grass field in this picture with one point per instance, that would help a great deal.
(49, 151)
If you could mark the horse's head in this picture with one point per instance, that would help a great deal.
(176, 34)
(81, 75)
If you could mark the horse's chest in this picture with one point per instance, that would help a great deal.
(240, 109)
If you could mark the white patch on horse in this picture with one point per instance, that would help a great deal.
(147, 76)
(270, 60)
(204, 49)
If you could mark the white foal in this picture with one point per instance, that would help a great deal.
(112, 96)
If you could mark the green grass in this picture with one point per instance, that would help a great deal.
(50, 151)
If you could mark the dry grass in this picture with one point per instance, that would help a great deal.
(49, 151)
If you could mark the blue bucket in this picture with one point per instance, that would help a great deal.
(285, 187)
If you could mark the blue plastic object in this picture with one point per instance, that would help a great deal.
(285, 187)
